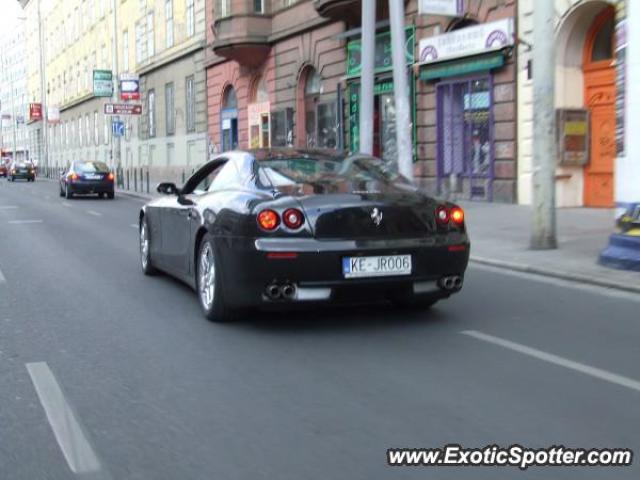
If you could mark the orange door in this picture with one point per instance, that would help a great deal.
(600, 97)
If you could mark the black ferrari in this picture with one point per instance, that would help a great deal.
(283, 227)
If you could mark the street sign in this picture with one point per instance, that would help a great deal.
(102, 83)
(449, 8)
(117, 128)
(122, 109)
(129, 86)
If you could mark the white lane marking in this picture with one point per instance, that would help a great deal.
(66, 204)
(8, 207)
(66, 427)
(94, 213)
(2, 278)
(556, 360)
(21, 222)
(134, 225)
(609, 292)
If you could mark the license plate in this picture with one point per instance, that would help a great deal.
(93, 177)
(379, 266)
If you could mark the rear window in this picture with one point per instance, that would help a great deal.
(318, 171)
(88, 167)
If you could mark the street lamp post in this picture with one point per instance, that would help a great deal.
(43, 91)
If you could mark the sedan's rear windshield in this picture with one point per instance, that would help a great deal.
(319, 172)
(89, 167)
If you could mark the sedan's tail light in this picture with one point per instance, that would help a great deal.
(110, 177)
(268, 220)
(73, 177)
(457, 215)
(442, 215)
(293, 218)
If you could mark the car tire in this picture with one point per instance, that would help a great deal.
(209, 285)
(61, 191)
(145, 249)
(111, 195)
(101, 195)
(68, 193)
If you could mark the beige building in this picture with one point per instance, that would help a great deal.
(586, 85)
(160, 41)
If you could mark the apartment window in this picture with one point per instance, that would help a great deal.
(79, 131)
(91, 12)
(258, 6)
(190, 96)
(77, 24)
(191, 18)
(125, 50)
(168, 15)
(100, 8)
(87, 74)
(78, 78)
(170, 109)
(151, 46)
(96, 132)
(87, 126)
(139, 42)
(151, 109)
(223, 8)
(104, 62)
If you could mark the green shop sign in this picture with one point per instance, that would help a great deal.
(383, 61)
(464, 66)
(102, 83)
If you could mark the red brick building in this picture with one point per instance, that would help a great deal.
(286, 72)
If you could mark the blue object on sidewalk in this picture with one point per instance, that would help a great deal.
(623, 252)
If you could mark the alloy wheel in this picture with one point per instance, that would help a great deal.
(207, 276)
(144, 245)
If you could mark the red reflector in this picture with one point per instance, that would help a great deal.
(293, 218)
(457, 248)
(281, 255)
(442, 215)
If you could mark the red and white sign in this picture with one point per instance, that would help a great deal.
(35, 111)
(122, 109)
(129, 86)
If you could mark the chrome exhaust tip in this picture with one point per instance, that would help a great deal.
(288, 291)
(272, 291)
(457, 282)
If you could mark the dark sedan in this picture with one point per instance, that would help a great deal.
(285, 227)
(84, 178)
(22, 170)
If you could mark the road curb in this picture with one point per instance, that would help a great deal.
(139, 196)
(560, 274)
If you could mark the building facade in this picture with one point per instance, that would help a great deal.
(158, 48)
(13, 95)
(585, 96)
(287, 72)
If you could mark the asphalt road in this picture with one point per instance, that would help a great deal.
(138, 385)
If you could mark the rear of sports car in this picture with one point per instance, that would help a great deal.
(348, 247)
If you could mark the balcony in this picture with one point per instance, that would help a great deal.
(241, 33)
(338, 9)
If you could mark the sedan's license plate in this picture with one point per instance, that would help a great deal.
(380, 266)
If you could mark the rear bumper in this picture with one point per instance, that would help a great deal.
(85, 187)
(28, 176)
(316, 271)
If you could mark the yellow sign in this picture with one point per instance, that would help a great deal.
(575, 128)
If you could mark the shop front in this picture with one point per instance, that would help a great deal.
(384, 111)
(461, 66)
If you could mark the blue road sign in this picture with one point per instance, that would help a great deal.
(117, 128)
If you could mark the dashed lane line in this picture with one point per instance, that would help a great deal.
(23, 222)
(94, 213)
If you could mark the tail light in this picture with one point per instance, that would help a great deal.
(442, 215)
(110, 177)
(73, 177)
(457, 215)
(293, 218)
(268, 220)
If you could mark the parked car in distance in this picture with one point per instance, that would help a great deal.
(3, 169)
(21, 170)
(279, 227)
(87, 177)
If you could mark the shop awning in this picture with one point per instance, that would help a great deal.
(461, 66)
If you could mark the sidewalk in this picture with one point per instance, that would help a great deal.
(500, 237)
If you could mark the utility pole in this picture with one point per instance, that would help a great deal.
(43, 92)
(401, 89)
(543, 234)
(115, 141)
(367, 67)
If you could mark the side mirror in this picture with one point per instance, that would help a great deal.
(168, 188)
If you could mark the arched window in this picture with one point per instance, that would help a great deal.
(230, 100)
(260, 92)
(229, 119)
(312, 87)
(602, 48)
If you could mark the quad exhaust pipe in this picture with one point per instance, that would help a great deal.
(451, 283)
(284, 291)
